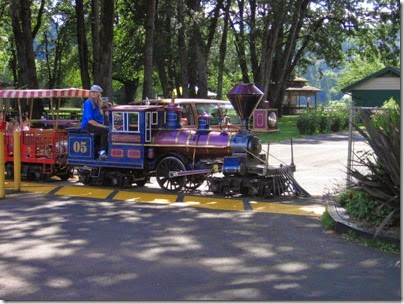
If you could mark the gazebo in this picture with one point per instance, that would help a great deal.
(298, 87)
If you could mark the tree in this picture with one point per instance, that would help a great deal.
(23, 39)
(82, 44)
(182, 49)
(102, 34)
(148, 49)
(223, 48)
(128, 61)
(357, 69)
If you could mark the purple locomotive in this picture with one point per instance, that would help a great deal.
(148, 140)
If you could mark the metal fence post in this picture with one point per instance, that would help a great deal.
(350, 140)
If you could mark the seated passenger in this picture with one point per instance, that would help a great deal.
(25, 124)
(13, 125)
(93, 119)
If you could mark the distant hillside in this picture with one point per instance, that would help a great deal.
(325, 78)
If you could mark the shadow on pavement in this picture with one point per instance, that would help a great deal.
(69, 249)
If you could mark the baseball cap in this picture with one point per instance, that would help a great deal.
(96, 88)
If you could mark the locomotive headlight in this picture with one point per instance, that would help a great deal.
(272, 119)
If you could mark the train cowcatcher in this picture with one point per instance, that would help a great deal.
(147, 141)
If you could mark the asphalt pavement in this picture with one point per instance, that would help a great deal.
(73, 249)
(321, 160)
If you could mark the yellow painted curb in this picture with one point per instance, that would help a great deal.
(308, 210)
(84, 192)
(213, 203)
(152, 198)
(32, 187)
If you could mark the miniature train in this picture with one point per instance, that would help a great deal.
(148, 140)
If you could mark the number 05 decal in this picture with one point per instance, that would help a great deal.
(80, 147)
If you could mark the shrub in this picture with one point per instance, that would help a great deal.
(381, 178)
(327, 220)
(324, 121)
(361, 206)
(324, 124)
(339, 115)
(390, 112)
(335, 123)
(307, 123)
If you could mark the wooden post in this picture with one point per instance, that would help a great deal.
(17, 160)
(2, 179)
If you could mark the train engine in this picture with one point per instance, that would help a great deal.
(247, 169)
(149, 141)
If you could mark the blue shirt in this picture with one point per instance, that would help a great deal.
(91, 112)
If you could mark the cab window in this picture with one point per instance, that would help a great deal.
(210, 108)
(133, 122)
(125, 122)
(117, 121)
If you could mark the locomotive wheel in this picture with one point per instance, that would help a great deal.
(166, 165)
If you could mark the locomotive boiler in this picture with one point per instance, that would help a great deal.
(148, 141)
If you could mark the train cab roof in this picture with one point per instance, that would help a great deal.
(136, 108)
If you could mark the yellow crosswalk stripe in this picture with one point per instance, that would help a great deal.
(307, 210)
(90, 192)
(213, 203)
(152, 198)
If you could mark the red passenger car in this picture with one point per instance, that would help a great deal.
(44, 144)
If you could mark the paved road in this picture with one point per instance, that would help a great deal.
(320, 160)
(59, 248)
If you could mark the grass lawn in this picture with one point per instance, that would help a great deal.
(287, 129)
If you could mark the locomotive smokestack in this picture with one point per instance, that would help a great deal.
(245, 97)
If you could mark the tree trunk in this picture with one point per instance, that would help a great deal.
(106, 36)
(183, 55)
(82, 45)
(21, 22)
(148, 49)
(282, 72)
(130, 88)
(223, 48)
(95, 33)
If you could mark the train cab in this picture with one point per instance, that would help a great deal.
(129, 130)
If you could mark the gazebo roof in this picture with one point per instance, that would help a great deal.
(297, 78)
(304, 89)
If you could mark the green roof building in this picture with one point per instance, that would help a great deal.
(376, 88)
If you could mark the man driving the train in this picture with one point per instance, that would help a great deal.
(93, 118)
